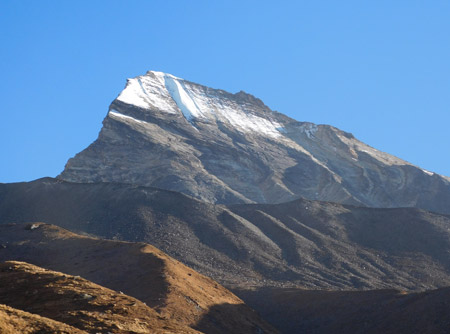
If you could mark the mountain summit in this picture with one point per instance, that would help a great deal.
(170, 133)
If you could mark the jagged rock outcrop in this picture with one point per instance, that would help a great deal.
(173, 134)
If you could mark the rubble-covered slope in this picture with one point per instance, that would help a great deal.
(309, 243)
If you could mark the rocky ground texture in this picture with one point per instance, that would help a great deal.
(303, 243)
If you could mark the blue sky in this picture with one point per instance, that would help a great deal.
(377, 69)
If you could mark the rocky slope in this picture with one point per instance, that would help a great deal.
(170, 133)
(307, 243)
(178, 299)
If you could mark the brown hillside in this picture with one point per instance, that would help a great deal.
(13, 321)
(176, 292)
(78, 302)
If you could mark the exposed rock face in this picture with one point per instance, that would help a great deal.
(170, 133)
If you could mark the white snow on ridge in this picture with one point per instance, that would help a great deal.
(165, 92)
(133, 94)
(251, 123)
(225, 110)
(194, 103)
(427, 172)
(181, 97)
(121, 117)
(148, 93)
(157, 93)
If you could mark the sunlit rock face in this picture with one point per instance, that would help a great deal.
(166, 132)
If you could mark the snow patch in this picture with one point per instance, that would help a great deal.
(181, 97)
(427, 172)
(228, 111)
(121, 117)
(148, 93)
(134, 94)
(251, 123)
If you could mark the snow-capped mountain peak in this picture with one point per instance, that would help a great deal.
(171, 133)
(165, 92)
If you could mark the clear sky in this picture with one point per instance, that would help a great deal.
(378, 69)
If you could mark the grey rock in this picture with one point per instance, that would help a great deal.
(227, 148)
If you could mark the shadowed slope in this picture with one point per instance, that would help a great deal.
(352, 312)
(304, 243)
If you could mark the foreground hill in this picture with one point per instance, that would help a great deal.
(170, 133)
(306, 243)
(13, 321)
(353, 312)
(176, 296)
(77, 302)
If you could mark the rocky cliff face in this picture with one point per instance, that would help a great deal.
(170, 133)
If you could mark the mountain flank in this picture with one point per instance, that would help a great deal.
(317, 245)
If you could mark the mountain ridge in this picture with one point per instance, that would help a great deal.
(320, 245)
